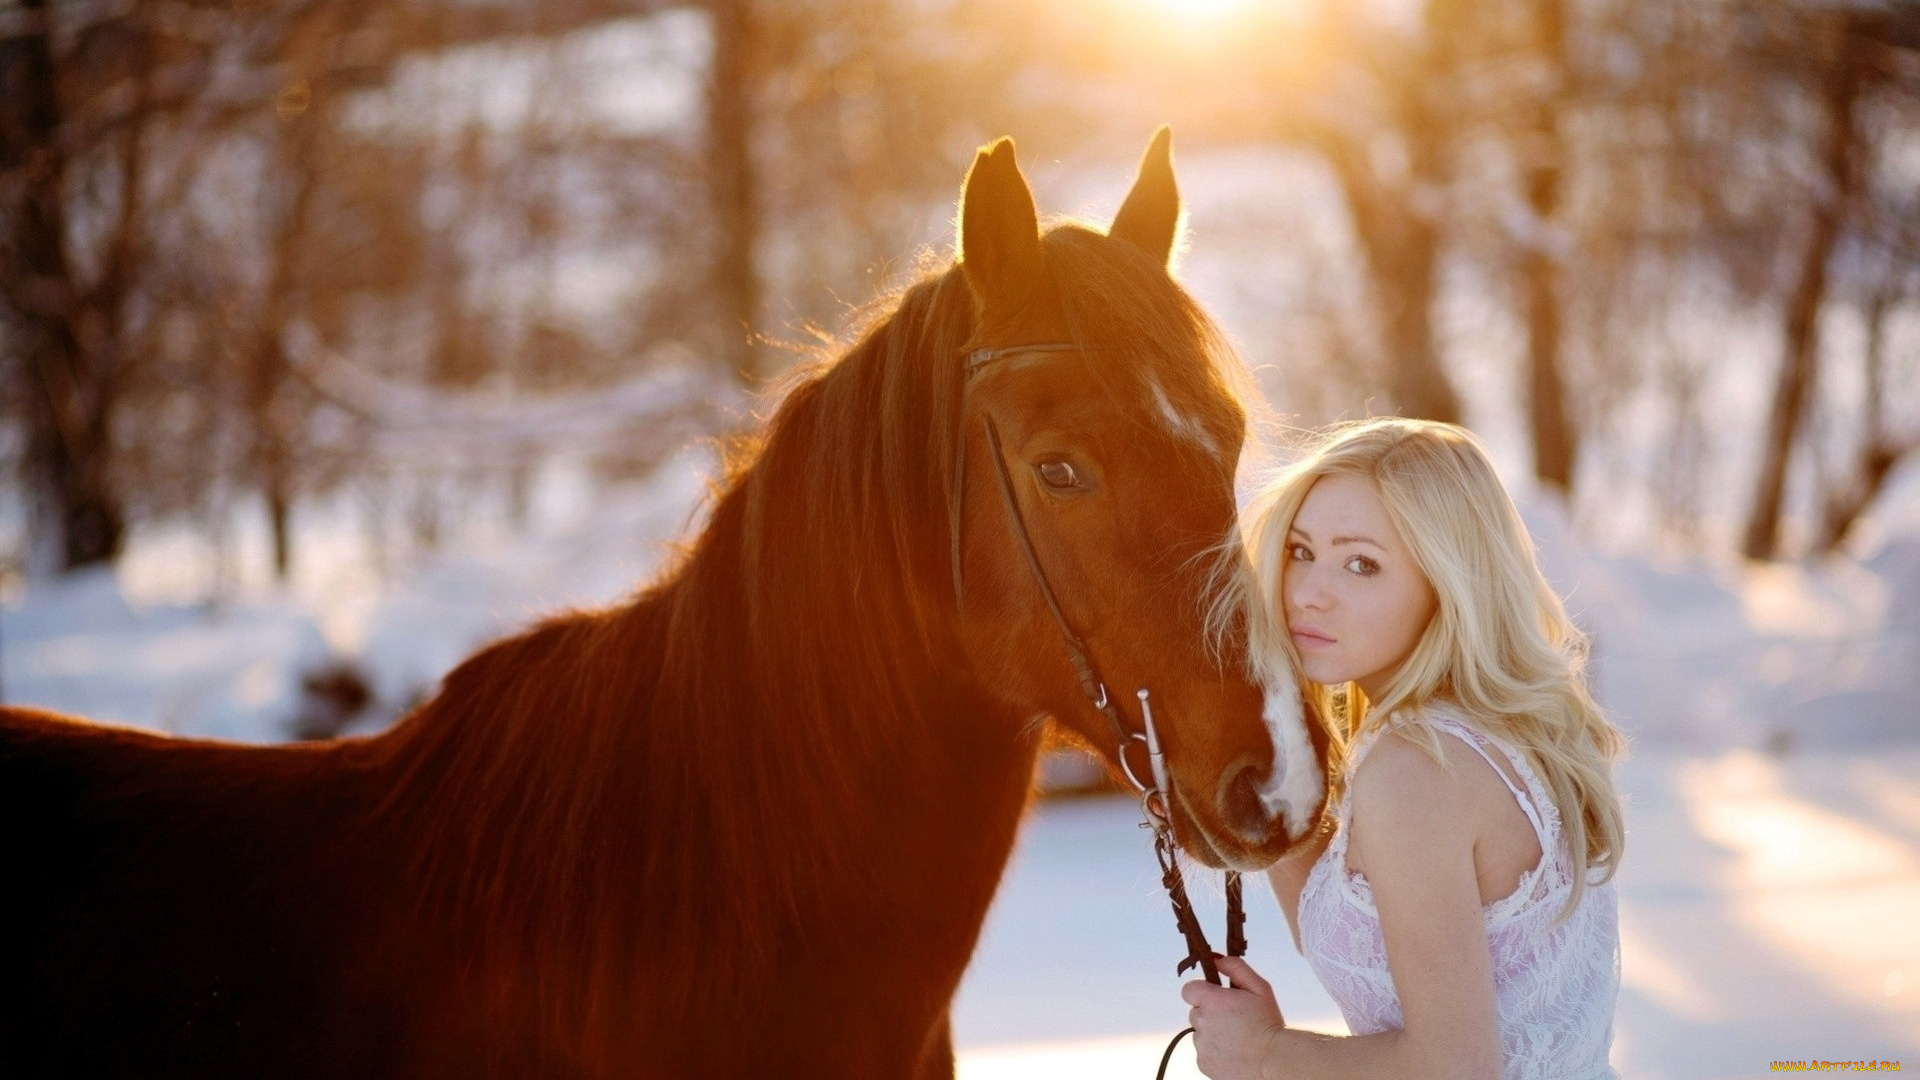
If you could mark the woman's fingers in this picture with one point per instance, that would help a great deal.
(1243, 975)
(1199, 993)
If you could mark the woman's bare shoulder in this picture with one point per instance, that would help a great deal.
(1400, 768)
(1408, 807)
(1401, 792)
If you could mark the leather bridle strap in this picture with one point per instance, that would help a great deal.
(979, 358)
(1083, 669)
(1090, 682)
(976, 361)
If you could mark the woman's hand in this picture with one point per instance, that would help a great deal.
(1233, 1027)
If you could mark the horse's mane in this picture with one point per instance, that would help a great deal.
(668, 781)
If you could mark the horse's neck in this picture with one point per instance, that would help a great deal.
(579, 794)
(948, 852)
(914, 768)
(851, 808)
(900, 877)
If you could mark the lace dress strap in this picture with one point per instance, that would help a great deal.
(1548, 875)
(1524, 797)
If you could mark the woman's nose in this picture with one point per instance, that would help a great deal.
(1307, 593)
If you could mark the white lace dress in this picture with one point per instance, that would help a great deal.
(1554, 985)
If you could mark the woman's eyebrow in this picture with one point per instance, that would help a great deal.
(1338, 540)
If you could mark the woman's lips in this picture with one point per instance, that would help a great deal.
(1311, 639)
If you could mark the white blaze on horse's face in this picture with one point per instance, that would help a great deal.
(1295, 787)
(1182, 425)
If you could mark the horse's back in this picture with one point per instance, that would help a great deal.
(179, 908)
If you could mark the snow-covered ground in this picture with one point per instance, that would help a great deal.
(1770, 896)
(1769, 910)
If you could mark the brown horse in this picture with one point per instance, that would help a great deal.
(748, 823)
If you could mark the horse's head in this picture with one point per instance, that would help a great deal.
(1112, 451)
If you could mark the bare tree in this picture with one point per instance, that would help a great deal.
(64, 378)
(1831, 52)
(1543, 155)
(1395, 167)
(1878, 275)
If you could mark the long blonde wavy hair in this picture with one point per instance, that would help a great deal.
(1500, 646)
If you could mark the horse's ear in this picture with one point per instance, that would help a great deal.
(1151, 215)
(999, 230)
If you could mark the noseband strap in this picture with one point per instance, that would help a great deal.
(980, 358)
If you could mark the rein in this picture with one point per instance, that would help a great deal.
(1156, 790)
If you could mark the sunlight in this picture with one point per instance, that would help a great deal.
(1835, 892)
(1217, 34)
(1205, 18)
(1194, 11)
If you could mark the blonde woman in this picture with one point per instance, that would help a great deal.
(1457, 904)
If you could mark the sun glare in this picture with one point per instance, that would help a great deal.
(1198, 11)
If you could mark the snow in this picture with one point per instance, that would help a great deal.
(1769, 909)
(78, 646)
(1778, 900)
(95, 644)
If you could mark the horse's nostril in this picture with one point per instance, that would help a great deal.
(1240, 805)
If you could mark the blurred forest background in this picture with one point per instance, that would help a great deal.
(259, 255)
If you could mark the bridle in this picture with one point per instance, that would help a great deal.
(1155, 807)
(1090, 682)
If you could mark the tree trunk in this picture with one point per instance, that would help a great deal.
(1555, 441)
(730, 176)
(277, 434)
(1879, 451)
(1402, 245)
(1417, 383)
(279, 512)
(65, 388)
(272, 457)
(1794, 388)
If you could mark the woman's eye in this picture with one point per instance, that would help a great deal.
(1299, 553)
(1365, 567)
(1059, 475)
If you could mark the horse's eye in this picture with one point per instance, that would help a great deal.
(1059, 475)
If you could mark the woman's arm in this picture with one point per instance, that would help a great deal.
(1415, 827)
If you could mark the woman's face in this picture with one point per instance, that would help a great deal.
(1354, 600)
